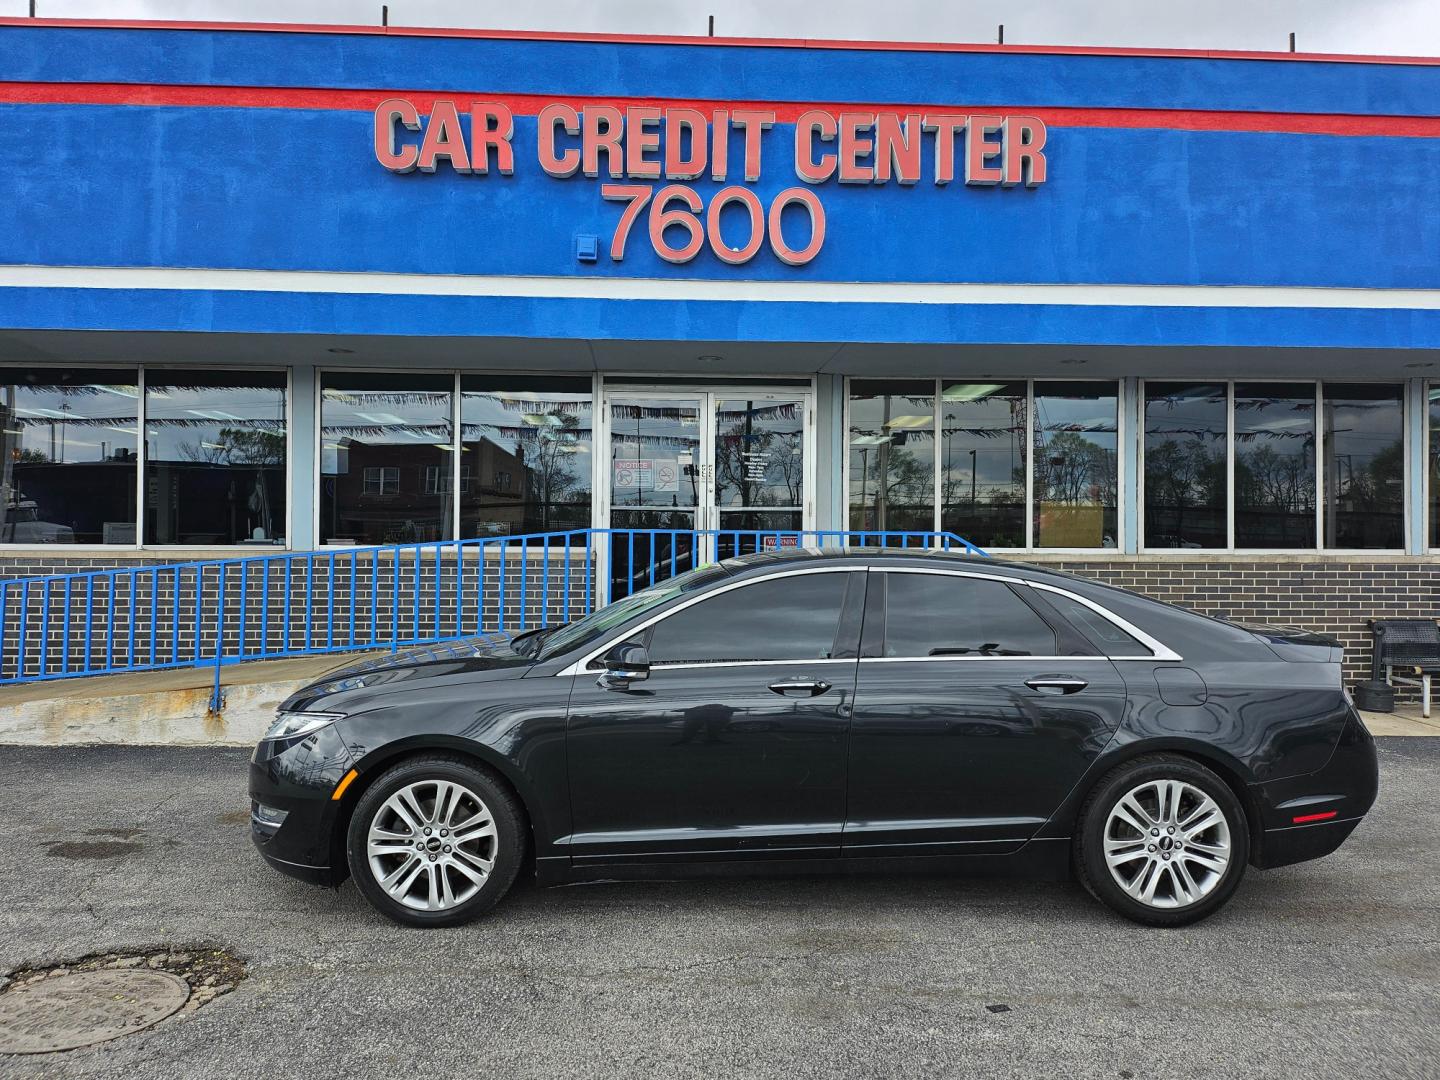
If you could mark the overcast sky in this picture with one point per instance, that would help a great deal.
(1406, 27)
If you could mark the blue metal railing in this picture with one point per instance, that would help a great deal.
(352, 599)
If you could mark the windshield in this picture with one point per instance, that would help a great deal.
(575, 635)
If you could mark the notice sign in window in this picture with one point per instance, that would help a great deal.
(647, 474)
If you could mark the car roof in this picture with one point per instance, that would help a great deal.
(760, 562)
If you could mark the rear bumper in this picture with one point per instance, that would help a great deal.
(1328, 803)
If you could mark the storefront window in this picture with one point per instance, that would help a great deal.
(1274, 465)
(1076, 474)
(1432, 399)
(525, 455)
(380, 437)
(892, 455)
(69, 446)
(1185, 468)
(214, 457)
(1364, 466)
(982, 462)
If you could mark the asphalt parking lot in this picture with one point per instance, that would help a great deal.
(1326, 969)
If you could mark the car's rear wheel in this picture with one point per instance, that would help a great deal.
(1162, 840)
(435, 841)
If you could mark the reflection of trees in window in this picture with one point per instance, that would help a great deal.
(892, 460)
(1275, 465)
(764, 439)
(1077, 471)
(239, 446)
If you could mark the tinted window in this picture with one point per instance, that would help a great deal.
(1113, 640)
(982, 462)
(386, 458)
(1364, 466)
(1274, 465)
(69, 450)
(214, 457)
(944, 615)
(1185, 469)
(525, 446)
(788, 618)
(1076, 472)
(892, 455)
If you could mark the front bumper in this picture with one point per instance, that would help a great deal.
(298, 777)
(1334, 799)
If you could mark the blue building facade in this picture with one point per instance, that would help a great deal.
(1171, 319)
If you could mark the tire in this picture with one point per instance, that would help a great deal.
(440, 882)
(1171, 867)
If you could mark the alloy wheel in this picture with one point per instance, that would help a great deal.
(1167, 843)
(432, 845)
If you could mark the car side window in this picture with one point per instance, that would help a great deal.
(786, 618)
(948, 615)
(1112, 640)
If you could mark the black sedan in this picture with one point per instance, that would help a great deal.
(790, 712)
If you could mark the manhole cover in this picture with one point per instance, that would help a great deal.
(86, 1007)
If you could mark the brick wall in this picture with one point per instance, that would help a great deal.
(1333, 595)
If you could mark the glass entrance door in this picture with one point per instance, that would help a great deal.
(732, 465)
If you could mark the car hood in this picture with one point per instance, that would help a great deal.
(491, 652)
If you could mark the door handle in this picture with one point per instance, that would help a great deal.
(1056, 684)
(802, 685)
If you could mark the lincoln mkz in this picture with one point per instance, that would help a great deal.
(793, 712)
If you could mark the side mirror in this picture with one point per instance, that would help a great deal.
(626, 663)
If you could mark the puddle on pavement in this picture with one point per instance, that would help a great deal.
(234, 817)
(90, 849)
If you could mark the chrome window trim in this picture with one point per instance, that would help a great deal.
(1158, 650)
(579, 667)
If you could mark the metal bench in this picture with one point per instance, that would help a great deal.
(1408, 652)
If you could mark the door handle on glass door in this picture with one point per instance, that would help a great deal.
(798, 686)
(1056, 684)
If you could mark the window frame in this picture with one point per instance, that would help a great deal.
(1122, 439)
(1160, 651)
(10, 548)
(456, 376)
(582, 665)
(1230, 547)
(1011, 587)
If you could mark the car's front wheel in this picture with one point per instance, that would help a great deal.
(1162, 840)
(435, 841)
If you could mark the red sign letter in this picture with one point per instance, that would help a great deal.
(387, 115)
(753, 123)
(978, 151)
(491, 125)
(897, 147)
(853, 148)
(813, 125)
(1022, 139)
(444, 139)
(566, 163)
(945, 126)
(679, 124)
(602, 126)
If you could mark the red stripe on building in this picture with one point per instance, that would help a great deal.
(752, 42)
(259, 97)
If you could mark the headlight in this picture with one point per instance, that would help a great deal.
(292, 725)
